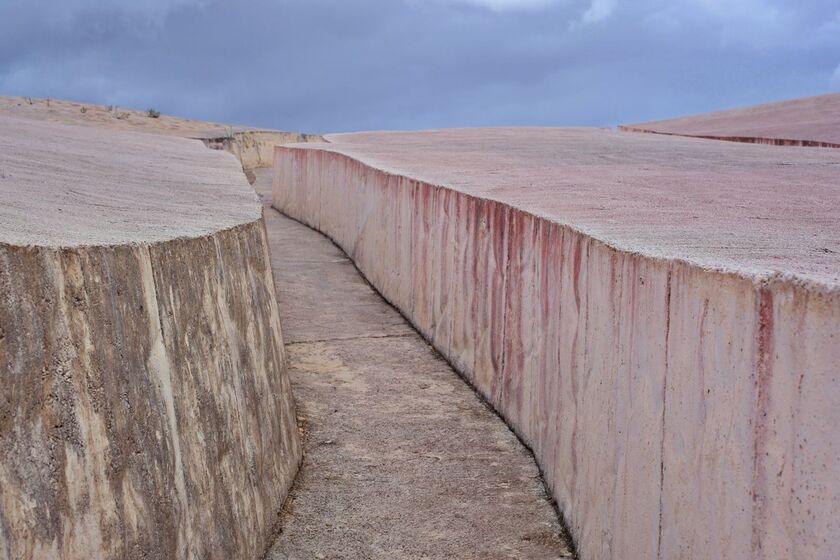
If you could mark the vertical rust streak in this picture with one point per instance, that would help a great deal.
(664, 404)
(764, 374)
(505, 253)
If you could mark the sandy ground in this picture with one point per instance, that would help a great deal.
(103, 116)
(402, 460)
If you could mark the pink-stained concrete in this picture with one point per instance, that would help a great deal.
(657, 317)
(809, 121)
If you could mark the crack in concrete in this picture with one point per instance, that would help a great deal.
(664, 404)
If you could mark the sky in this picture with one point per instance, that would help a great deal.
(339, 65)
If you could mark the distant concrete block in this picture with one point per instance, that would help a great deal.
(809, 121)
(658, 318)
(145, 411)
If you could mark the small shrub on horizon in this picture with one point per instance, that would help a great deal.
(153, 113)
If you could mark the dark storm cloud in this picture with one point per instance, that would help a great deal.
(361, 64)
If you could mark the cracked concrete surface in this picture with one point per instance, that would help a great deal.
(402, 459)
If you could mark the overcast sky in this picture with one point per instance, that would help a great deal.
(334, 65)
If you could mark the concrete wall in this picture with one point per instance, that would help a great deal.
(807, 121)
(676, 411)
(145, 411)
(255, 148)
(744, 139)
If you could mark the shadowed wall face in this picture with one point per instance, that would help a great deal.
(145, 411)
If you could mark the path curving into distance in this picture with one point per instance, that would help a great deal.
(402, 459)
(657, 317)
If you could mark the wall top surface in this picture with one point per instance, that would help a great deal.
(815, 119)
(755, 210)
(71, 186)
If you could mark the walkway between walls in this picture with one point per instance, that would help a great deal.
(402, 460)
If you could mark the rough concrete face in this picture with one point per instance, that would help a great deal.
(675, 408)
(145, 410)
(811, 121)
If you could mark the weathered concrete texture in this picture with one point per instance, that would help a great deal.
(402, 458)
(810, 121)
(657, 317)
(144, 411)
(70, 186)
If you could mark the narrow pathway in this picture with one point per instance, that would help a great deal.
(402, 459)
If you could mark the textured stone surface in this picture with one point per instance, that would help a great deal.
(658, 318)
(145, 411)
(810, 121)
